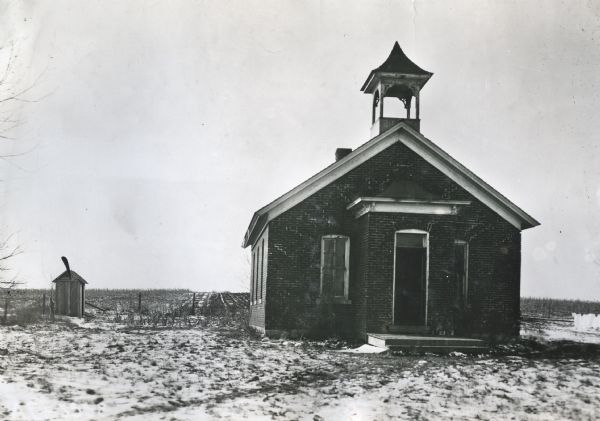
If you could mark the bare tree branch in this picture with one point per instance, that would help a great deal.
(14, 92)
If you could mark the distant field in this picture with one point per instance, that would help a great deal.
(552, 319)
(149, 306)
(167, 300)
(555, 308)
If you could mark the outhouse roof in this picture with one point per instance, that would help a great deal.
(64, 277)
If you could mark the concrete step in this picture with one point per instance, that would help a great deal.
(425, 343)
(423, 330)
(441, 349)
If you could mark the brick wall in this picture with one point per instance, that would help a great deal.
(494, 268)
(294, 255)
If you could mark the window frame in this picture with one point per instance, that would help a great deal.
(339, 298)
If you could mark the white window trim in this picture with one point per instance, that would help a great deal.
(466, 268)
(347, 264)
(411, 231)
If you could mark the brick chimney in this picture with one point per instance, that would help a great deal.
(341, 153)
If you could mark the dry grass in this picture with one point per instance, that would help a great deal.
(24, 306)
(159, 307)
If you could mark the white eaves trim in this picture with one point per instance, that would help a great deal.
(423, 147)
(467, 180)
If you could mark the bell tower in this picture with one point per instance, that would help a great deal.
(398, 77)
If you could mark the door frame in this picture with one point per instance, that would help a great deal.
(411, 231)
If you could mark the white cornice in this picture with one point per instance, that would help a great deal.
(407, 201)
(364, 205)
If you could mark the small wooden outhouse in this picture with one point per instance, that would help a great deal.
(69, 292)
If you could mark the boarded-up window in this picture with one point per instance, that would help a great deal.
(256, 273)
(259, 273)
(461, 269)
(252, 278)
(255, 256)
(335, 251)
(257, 281)
(262, 269)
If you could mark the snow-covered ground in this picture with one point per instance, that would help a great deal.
(103, 371)
(559, 329)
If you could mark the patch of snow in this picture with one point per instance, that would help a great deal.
(559, 330)
(365, 349)
(584, 322)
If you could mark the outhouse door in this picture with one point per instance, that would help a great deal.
(410, 278)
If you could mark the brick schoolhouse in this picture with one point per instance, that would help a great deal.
(395, 236)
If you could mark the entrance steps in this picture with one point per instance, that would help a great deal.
(408, 329)
(422, 343)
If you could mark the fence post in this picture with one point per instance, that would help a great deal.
(6, 306)
(140, 303)
(44, 304)
(194, 304)
(51, 306)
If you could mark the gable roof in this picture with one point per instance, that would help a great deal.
(74, 277)
(419, 144)
(397, 62)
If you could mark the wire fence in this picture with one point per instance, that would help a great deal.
(135, 307)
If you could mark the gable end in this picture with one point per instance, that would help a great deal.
(421, 146)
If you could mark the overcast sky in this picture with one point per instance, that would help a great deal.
(162, 126)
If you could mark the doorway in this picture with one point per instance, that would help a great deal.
(410, 277)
